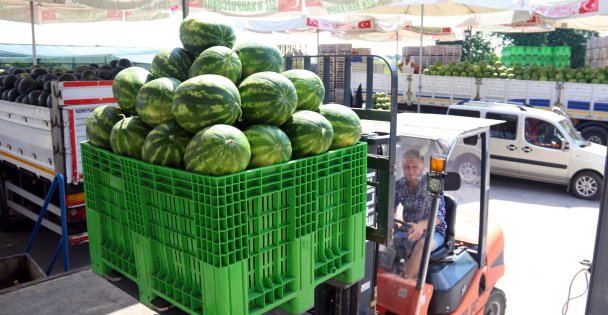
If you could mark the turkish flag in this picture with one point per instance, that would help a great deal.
(48, 15)
(113, 14)
(446, 30)
(312, 22)
(195, 3)
(289, 5)
(589, 6)
(365, 24)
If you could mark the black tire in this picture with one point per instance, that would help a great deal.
(595, 134)
(497, 303)
(587, 185)
(468, 166)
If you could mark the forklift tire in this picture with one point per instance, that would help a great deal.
(497, 303)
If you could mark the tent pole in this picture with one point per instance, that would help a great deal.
(185, 8)
(420, 61)
(318, 44)
(397, 47)
(34, 58)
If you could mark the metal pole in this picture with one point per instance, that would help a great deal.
(185, 8)
(34, 58)
(420, 61)
(318, 44)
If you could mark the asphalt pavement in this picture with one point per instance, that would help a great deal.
(547, 232)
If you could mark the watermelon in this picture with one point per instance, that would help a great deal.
(126, 85)
(267, 98)
(345, 122)
(309, 88)
(257, 57)
(165, 145)
(99, 125)
(218, 60)
(128, 136)
(154, 101)
(197, 35)
(218, 150)
(172, 64)
(269, 145)
(309, 132)
(206, 100)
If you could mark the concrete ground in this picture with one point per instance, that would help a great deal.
(547, 232)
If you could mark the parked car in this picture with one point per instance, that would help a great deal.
(540, 145)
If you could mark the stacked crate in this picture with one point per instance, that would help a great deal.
(431, 54)
(596, 55)
(336, 69)
(294, 50)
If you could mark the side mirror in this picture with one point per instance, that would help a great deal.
(452, 181)
(565, 145)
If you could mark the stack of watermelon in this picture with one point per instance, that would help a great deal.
(216, 109)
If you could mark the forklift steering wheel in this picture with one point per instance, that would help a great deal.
(400, 229)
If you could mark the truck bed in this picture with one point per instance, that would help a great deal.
(76, 292)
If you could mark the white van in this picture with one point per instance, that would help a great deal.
(538, 145)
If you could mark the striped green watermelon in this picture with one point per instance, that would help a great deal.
(165, 145)
(99, 125)
(309, 132)
(126, 85)
(267, 98)
(218, 60)
(258, 57)
(269, 145)
(154, 101)
(128, 136)
(309, 88)
(345, 122)
(172, 64)
(206, 100)
(218, 150)
(197, 35)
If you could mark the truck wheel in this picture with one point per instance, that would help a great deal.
(497, 303)
(587, 185)
(595, 134)
(468, 168)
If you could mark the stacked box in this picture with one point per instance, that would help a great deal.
(596, 55)
(244, 243)
(336, 73)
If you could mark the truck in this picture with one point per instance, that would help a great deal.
(36, 144)
(586, 104)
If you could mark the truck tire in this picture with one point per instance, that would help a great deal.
(587, 185)
(595, 134)
(497, 303)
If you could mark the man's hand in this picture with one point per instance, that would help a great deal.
(415, 231)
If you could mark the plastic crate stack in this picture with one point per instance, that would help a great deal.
(244, 243)
(558, 56)
(596, 55)
(336, 66)
(432, 54)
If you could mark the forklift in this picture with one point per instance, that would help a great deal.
(458, 277)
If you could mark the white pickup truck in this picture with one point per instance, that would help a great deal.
(586, 104)
(36, 143)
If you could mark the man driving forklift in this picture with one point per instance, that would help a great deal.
(412, 206)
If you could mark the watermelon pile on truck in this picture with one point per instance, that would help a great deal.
(580, 93)
(40, 132)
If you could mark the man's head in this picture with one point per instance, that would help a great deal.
(412, 164)
(407, 58)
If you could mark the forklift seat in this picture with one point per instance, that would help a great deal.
(447, 248)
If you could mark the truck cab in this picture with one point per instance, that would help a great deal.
(538, 145)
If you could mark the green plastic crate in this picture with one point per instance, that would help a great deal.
(244, 243)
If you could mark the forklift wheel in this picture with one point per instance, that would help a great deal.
(497, 303)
